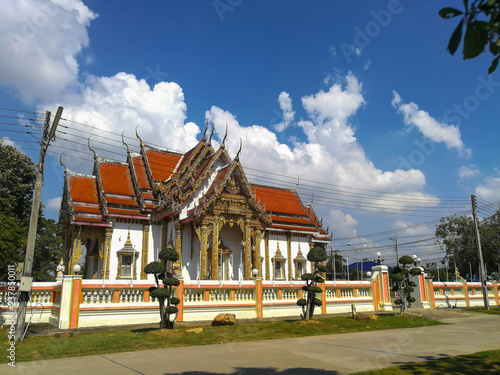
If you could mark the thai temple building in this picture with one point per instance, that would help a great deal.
(200, 203)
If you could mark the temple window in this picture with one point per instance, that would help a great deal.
(300, 265)
(126, 265)
(279, 262)
(127, 261)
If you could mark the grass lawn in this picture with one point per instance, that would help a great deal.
(478, 363)
(112, 341)
(492, 310)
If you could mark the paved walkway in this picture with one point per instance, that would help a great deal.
(318, 355)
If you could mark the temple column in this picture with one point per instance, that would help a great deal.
(164, 228)
(145, 249)
(76, 253)
(289, 255)
(203, 236)
(257, 260)
(215, 249)
(178, 241)
(107, 251)
(266, 255)
(248, 250)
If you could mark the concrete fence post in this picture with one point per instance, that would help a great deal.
(380, 274)
(69, 308)
(422, 300)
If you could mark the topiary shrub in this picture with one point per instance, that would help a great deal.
(315, 255)
(400, 277)
(168, 314)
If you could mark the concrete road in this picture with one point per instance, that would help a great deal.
(318, 355)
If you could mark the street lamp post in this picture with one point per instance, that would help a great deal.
(379, 259)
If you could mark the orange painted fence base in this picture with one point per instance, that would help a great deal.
(75, 303)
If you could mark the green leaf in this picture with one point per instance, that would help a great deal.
(494, 48)
(169, 253)
(307, 276)
(415, 271)
(171, 281)
(493, 65)
(301, 302)
(449, 12)
(475, 39)
(455, 38)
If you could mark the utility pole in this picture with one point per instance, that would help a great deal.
(26, 279)
(480, 254)
(395, 240)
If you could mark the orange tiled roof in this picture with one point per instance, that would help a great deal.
(162, 164)
(83, 189)
(123, 211)
(115, 179)
(86, 209)
(279, 200)
(295, 220)
(125, 202)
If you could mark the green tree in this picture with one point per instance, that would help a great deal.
(47, 250)
(334, 265)
(457, 236)
(17, 181)
(481, 21)
(400, 277)
(317, 255)
(12, 243)
(168, 314)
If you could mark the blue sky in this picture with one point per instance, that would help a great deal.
(386, 131)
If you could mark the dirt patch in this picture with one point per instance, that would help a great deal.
(310, 322)
(165, 333)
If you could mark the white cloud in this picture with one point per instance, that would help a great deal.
(429, 127)
(120, 103)
(331, 154)
(466, 172)
(40, 42)
(490, 189)
(408, 228)
(288, 112)
(344, 225)
(368, 63)
(54, 204)
(8, 142)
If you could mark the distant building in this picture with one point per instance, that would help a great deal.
(200, 203)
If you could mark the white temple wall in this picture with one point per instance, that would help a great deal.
(298, 242)
(190, 252)
(120, 232)
(154, 243)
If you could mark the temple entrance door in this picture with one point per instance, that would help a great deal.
(224, 264)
